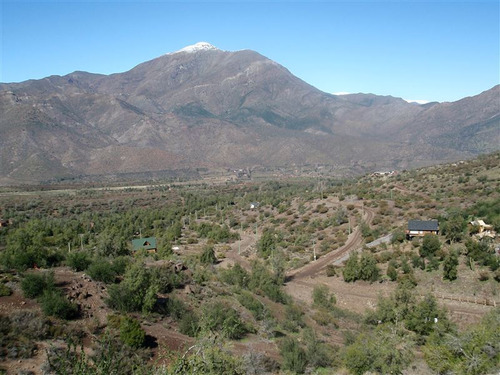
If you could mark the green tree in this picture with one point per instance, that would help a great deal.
(383, 351)
(268, 242)
(430, 246)
(322, 297)
(473, 352)
(425, 317)
(102, 270)
(455, 226)
(392, 273)
(351, 269)
(55, 304)
(450, 266)
(34, 284)
(294, 357)
(368, 269)
(131, 332)
(208, 255)
(78, 260)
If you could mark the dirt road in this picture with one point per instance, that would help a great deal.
(353, 242)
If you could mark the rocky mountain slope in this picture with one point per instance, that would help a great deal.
(203, 107)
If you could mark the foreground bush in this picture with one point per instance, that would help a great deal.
(473, 352)
(34, 284)
(131, 332)
(55, 304)
(220, 317)
(78, 260)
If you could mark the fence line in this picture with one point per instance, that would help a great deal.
(475, 300)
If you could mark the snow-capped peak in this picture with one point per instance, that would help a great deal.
(200, 46)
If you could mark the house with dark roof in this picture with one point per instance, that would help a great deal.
(147, 243)
(419, 228)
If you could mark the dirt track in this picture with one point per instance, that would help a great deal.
(354, 241)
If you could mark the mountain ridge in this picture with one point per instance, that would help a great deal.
(218, 109)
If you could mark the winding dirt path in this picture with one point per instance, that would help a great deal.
(353, 242)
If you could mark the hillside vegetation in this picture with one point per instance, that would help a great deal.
(277, 276)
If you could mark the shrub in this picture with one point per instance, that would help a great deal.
(102, 270)
(381, 352)
(176, 308)
(4, 290)
(392, 273)
(368, 269)
(55, 304)
(294, 357)
(34, 284)
(430, 246)
(189, 324)
(78, 260)
(136, 292)
(293, 318)
(219, 317)
(235, 275)
(351, 269)
(322, 297)
(253, 304)
(450, 266)
(331, 270)
(208, 255)
(131, 332)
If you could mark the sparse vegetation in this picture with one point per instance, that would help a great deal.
(225, 272)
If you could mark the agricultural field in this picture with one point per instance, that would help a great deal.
(276, 276)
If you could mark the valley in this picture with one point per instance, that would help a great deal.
(233, 285)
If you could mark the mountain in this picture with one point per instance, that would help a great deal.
(202, 107)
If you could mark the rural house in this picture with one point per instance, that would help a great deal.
(148, 244)
(419, 228)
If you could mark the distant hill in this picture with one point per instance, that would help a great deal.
(202, 107)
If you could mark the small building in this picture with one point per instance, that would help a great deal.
(419, 228)
(148, 244)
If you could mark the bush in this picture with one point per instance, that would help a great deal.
(256, 307)
(450, 266)
(430, 246)
(368, 269)
(381, 352)
(208, 255)
(78, 260)
(293, 318)
(189, 324)
(473, 352)
(136, 292)
(102, 270)
(55, 304)
(294, 357)
(34, 284)
(131, 332)
(392, 273)
(4, 290)
(331, 270)
(322, 297)
(235, 275)
(351, 269)
(221, 318)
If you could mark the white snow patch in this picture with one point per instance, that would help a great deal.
(341, 93)
(417, 101)
(200, 46)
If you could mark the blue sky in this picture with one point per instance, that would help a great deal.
(436, 51)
